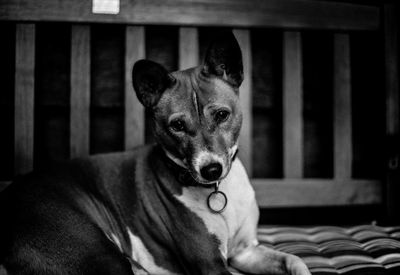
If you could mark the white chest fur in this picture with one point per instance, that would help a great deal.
(241, 205)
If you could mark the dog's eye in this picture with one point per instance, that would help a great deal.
(221, 116)
(177, 125)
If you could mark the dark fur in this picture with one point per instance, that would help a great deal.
(55, 222)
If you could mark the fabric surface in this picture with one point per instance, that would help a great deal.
(364, 249)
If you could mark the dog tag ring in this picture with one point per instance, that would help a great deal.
(217, 200)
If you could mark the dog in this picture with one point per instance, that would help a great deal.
(181, 206)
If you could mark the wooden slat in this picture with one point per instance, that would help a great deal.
(134, 110)
(292, 106)
(80, 91)
(391, 30)
(24, 97)
(188, 48)
(235, 13)
(392, 70)
(316, 192)
(342, 108)
(245, 142)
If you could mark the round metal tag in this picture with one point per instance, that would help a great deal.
(217, 201)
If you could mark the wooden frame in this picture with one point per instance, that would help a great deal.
(316, 192)
(293, 189)
(234, 13)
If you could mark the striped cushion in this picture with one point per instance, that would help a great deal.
(365, 249)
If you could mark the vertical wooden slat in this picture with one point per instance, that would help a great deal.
(245, 153)
(342, 108)
(80, 91)
(391, 29)
(292, 106)
(392, 70)
(134, 111)
(24, 97)
(188, 48)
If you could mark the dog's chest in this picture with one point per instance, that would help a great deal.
(224, 225)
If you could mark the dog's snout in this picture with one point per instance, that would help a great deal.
(211, 171)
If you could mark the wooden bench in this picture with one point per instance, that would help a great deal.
(22, 19)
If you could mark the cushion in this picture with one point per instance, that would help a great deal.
(363, 249)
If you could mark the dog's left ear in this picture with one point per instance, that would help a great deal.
(224, 59)
(150, 80)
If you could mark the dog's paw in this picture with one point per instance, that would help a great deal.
(296, 266)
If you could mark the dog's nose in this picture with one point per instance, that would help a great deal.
(211, 171)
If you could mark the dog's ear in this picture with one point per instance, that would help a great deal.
(224, 58)
(150, 80)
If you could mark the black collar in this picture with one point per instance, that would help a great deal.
(183, 175)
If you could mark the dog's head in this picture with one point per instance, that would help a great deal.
(196, 113)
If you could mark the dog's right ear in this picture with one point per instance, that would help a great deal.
(150, 80)
(224, 58)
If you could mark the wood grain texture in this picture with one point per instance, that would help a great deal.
(24, 97)
(134, 111)
(80, 91)
(236, 13)
(316, 192)
(343, 150)
(292, 106)
(246, 134)
(188, 48)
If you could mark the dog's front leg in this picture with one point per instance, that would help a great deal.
(258, 259)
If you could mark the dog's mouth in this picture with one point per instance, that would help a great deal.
(203, 182)
(212, 168)
(188, 173)
(189, 176)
